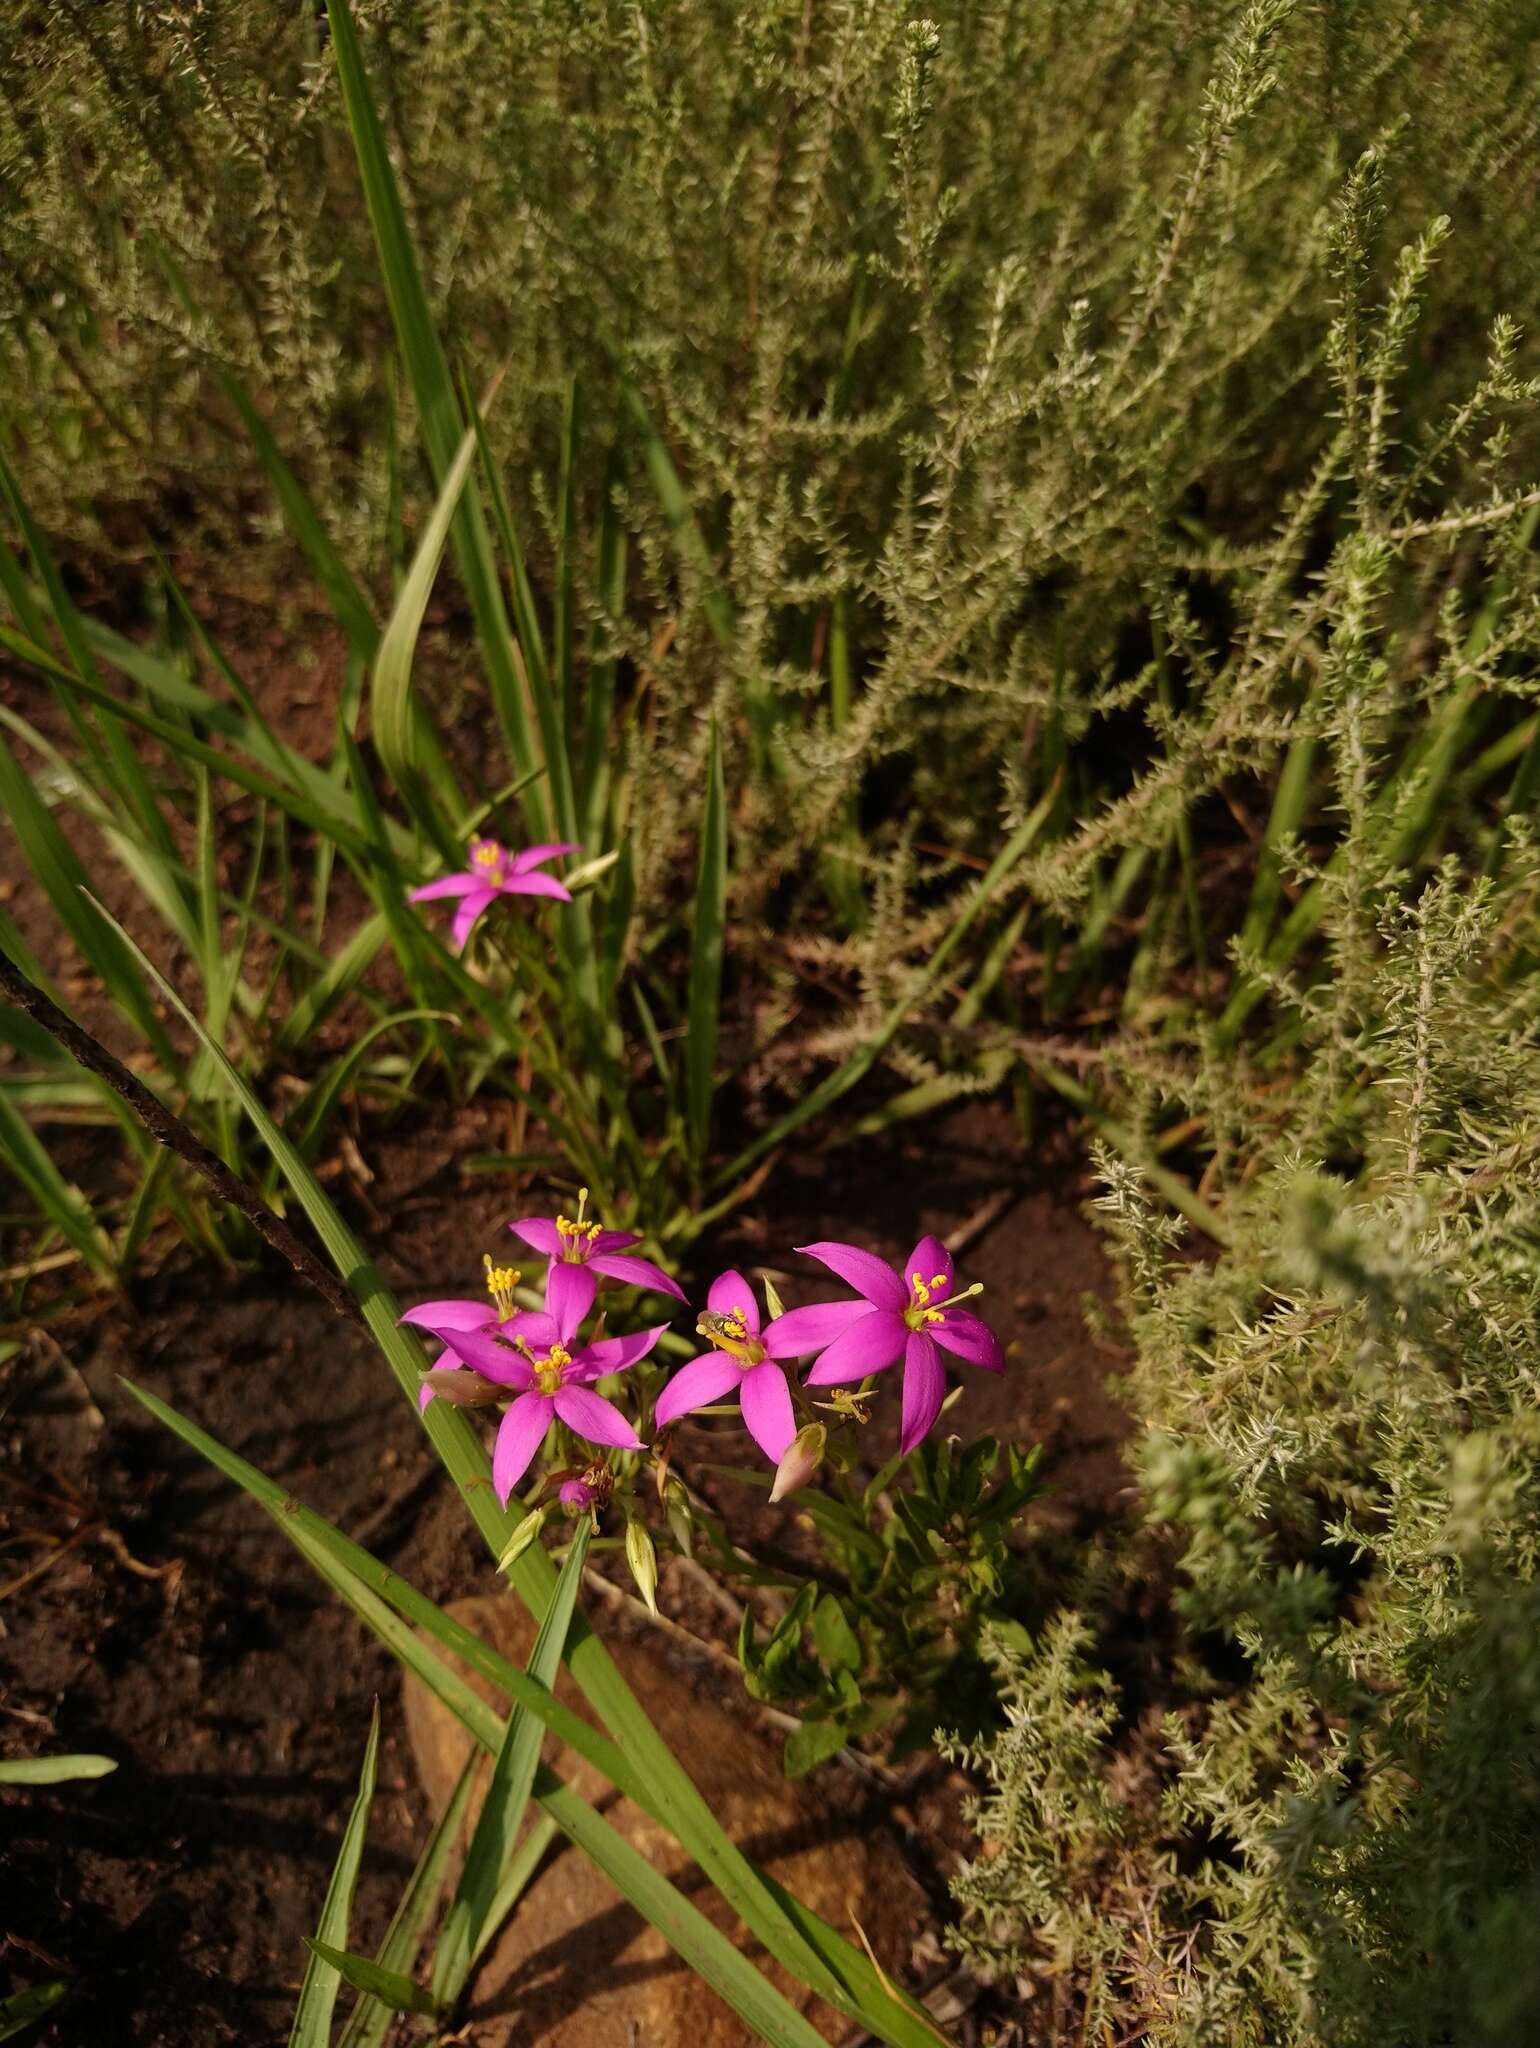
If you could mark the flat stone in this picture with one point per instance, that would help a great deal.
(577, 1967)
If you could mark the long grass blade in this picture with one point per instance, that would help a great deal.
(513, 1776)
(370, 2021)
(397, 719)
(706, 955)
(318, 1994)
(432, 388)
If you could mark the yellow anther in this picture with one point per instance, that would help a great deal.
(937, 1280)
(578, 1235)
(549, 1370)
(501, 1281)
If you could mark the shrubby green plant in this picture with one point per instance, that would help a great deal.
(1331, 1835)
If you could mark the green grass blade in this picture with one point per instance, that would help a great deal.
(397, 718)
(502, 1813)
(433, 390)
(53, 861)
(688, 1932)
(370, 2022)
(610, 583)
(522, 1865)
(24, 2008)
(343, 972)
(674, 501)
(329, 816)
(55, 1770)
(706, 956)
(61, 1204)
(397, 1993)
(318, 1994)
(120, 767)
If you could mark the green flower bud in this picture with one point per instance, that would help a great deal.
(522, 1538)
(643, 1560)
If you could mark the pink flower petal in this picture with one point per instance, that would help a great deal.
(532, 856)
(970, 1338)
(613, 1241)
(470, 909)
(569, 1295)
(635, 1272)
(867, 1346)
(695, 1385)
(614, 1354)
(767, 1411)
(520, 1434)
(594, 1418)
(535, 885)
(446, 885)
(813, 1328)
(863, 1271)
(533, 1325)
(731, 1291)
(450, 1315)
(492, 1360)
(929, 1258)
(540, 1234)
(924, 1388)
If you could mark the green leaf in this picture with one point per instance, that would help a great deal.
(837, 1642)
(399, 1993)
(318, 1994)
(706, 954)
(809, 1744)
(466, 1928)
(22, 2008)
(54, 1770)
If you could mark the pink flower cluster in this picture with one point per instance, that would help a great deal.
(537, 1359)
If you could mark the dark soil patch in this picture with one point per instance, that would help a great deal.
(234, 1696)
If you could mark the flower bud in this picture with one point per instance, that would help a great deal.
(773, 1302)
(522, 1538)
(643, 1560)
(676, 1505)
(802, 1459)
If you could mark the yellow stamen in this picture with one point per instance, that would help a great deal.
(919, 1311)
(501, 1281)
(577, 1237)
(549, 1370)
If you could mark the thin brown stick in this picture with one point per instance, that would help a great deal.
(169, 1130)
